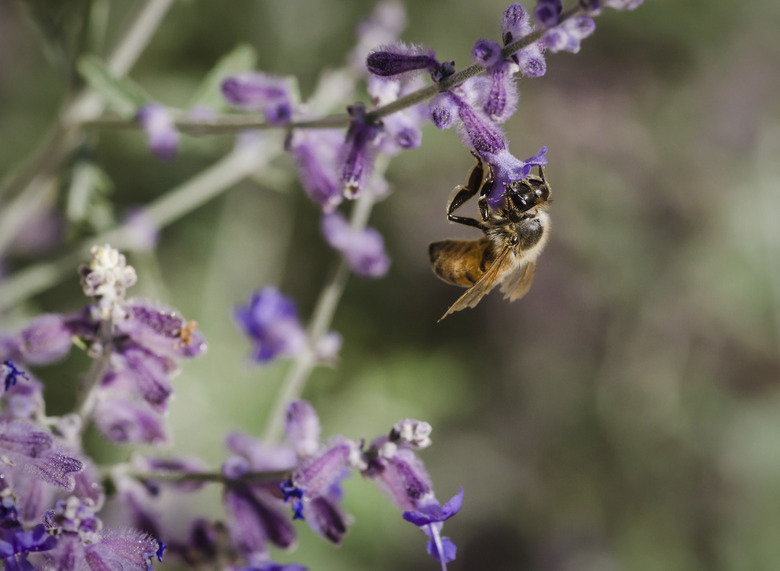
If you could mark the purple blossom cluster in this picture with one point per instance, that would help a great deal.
(49, 490)
(267, 487)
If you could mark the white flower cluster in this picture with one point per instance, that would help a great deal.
(107, 278)
(416, 433)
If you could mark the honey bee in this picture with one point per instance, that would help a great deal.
(515, 235)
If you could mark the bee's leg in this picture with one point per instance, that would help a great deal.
(464, 193)
(482, 201)
(484, 192)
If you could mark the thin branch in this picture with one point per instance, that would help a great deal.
(322, 317)
(234, 123)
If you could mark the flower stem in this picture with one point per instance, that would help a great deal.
(234, 123)
(86, 401)
(293, 384)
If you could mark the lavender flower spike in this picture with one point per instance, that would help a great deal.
(271, 322)
(358, 152)
(161, 134)
(107, 278)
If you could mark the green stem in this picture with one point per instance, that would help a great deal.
(86, 401)
(293, 385)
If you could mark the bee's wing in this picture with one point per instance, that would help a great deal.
(516, 285)
(486, 283)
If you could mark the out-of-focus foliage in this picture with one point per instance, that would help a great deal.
(624, 415)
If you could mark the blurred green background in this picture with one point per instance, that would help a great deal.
(624, 415)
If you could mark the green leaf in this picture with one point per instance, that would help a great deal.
(242, 58)
(120, 93)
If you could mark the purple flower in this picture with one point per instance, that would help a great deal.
(569, 35)
(363, 250)
(547, 12)
(26, 444)
(443, 110)
(124, 420)
(358, 153)
(16, 542)
(531, 60)
(160, 330)
(254, 518)
(110, 549)
(11, 373)
(430, 517)
(432, 512)
(399, 474)
(302, 428)
(314, 490)
(501, 100)
(400, 130)
(46, 339)
(316, 153)
(515, 23)
(260, 92)
(506, 168)
(270, 319)
(147, 344)
(161, 134)
(401, 60)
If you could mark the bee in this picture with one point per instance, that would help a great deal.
(515, 235)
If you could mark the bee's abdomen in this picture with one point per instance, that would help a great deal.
(459, 262)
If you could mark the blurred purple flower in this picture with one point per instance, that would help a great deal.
(270, 320)
(143, 233)
(25, 443)
(547, 12)
(252, 91)
(11, 374)
(316, 153)
(400, 130)
(358, 152)
(383, 27)
(302, 428)
(569, 35)
(362, 249)
(16, 542)
(161, 134)
(45, 340)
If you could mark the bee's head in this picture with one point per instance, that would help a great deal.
(525, 195)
